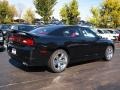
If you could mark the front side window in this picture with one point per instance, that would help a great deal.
(88, 33)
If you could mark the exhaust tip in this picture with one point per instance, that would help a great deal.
(24, 63)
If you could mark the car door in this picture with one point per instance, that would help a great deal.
(91, 40)
(75, 45)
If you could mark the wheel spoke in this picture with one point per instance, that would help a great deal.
(109, 53)
(55, 62)
(60, 61)
(59, 66)
(61, 57)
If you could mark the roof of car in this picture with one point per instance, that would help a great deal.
(62, 26)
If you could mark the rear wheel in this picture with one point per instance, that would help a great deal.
(109, 53)
(58, 61)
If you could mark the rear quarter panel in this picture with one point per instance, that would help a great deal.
(51, 43)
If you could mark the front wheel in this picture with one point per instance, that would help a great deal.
(109, 53)
(58, 61)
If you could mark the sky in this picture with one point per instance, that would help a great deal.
(84, 6)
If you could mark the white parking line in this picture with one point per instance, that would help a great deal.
(26, 82)
(12, 84)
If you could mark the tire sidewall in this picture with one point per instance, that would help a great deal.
(105, 55)
(51, 61)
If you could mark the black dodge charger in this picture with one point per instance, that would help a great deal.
(57, 46)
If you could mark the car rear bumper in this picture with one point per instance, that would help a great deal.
(28, 56)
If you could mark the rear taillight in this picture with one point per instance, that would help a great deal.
(22, 40)
(28, 42)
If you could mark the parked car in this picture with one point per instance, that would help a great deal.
(1, 40)
(23, 27)
(118, 32)
(114, 34)
(57, 46)
(100, 33)
(4, 28)
(105, 34)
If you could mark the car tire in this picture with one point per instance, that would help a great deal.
(58, 61)
(109, 52)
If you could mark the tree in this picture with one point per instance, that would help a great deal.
(70, 13)
(95, 19)
(108, 14)
(45, 9)
(29, 16)
(63, 14)
(7, 12)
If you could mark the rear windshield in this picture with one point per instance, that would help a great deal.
(41, 31)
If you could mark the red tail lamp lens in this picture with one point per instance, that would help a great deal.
(28, 42)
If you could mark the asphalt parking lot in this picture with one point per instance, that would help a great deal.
(93, 75)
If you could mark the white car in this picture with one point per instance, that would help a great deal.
(114, 33)
(104, 34)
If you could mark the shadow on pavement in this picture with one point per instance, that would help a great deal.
(2, 49)
(114, 86)
(19, 65)
(83, 62)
